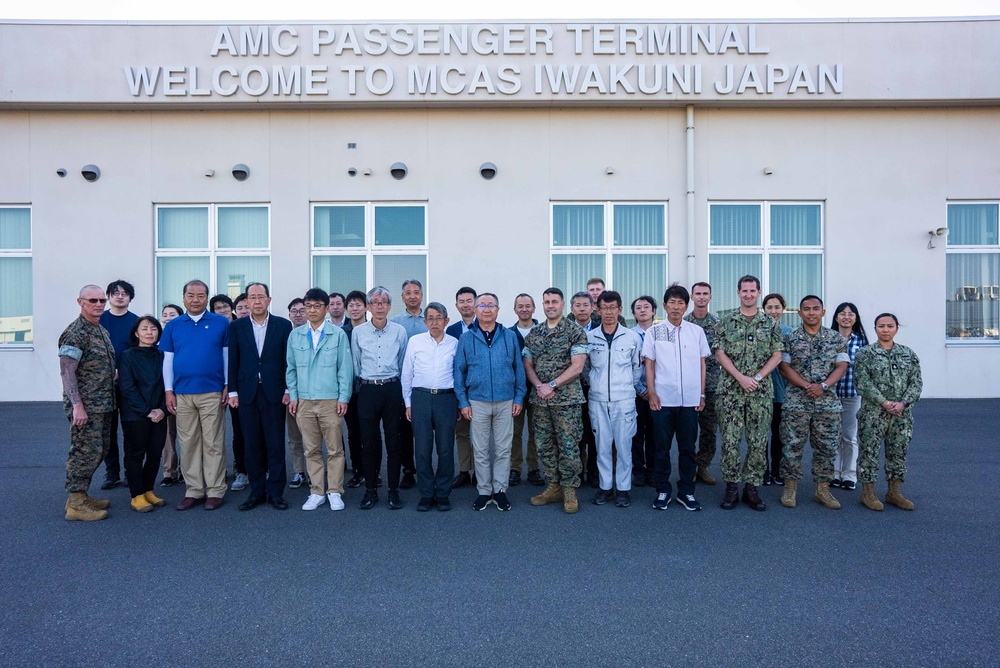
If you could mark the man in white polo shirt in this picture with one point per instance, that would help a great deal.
(675, 353)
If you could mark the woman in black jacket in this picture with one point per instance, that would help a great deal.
(143, 411)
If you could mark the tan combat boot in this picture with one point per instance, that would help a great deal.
(97, 504)
(705, 476)
(823, 496)
(552, 494)
(788, 493)
(868, 497)
(570, 504)
(895, 495)
(77, 509)
(154, 500)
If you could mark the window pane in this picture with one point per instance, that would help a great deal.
(15, 229)
(570, 273)
(794, 277)
(972, 295)
(578, 225)
(339, 273)
(391, 270)
(235, 272)
(339, 227)
(173, 272)
(15, 300)
(795, 225)
(723, 272)
(399, 226)
(734, 225)
(243, 227)
(183, 228)
(972, 224)
(639, 225)
(636, 275)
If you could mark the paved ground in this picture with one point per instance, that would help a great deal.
(606, 587)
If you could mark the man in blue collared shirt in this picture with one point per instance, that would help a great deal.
(377, 348)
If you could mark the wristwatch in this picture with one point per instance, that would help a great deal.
(552, 384)
(825, 386)
(758, 377)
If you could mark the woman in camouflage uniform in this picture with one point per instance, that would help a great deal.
(887, 376)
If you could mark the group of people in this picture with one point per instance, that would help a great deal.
(418, 387)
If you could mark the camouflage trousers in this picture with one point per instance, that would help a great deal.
(739, 414)
(557, 435)
(822, 430)
(88, 445)
(707, 426)
(875, 426)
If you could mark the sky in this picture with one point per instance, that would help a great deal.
(455, 10)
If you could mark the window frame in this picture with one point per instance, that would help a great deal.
(29, 253)
(967, 249)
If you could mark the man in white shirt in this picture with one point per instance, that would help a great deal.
(675, 353)
(431, 406)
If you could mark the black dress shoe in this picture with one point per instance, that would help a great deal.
(369, 500)
(252, 502)
(461, 480)
(407, 481)
(639, 479)
(732, 496)
(425, 504)
(395, 503)
(535, 478)
(443, 504)
(356, 481)
(515, 479)
(278, 502)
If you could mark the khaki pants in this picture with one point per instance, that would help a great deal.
(295, 446)
(463, 439)
(170, 449)
(318, 420)
(201, 435)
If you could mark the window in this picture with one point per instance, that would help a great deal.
(972, 273)
(361, 245)
(227, 246)
(623, 243)
(781, 243)
(16, 326)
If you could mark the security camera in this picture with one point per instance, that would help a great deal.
(241, 172)
(488, 171)
(91, 172)
(61, 173)
(352, 171)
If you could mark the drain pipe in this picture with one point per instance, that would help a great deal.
(690, 194)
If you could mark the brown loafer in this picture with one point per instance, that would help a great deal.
(189, 502)
(213, 503)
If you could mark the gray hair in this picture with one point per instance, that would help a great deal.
(437, 306)
(582, 295)
(89, 287)
(379, 291)
(412, 281)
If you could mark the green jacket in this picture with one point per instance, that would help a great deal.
(325, 373)
(887, 375)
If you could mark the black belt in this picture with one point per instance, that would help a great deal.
(380, 381)
(446, 390)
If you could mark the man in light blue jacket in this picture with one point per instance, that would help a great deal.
(490, 386)
(319, 379)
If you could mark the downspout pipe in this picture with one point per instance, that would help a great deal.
(690, 193)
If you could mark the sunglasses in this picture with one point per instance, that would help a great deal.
(95, 300)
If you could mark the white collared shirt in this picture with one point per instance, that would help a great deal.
(428, 364)
(677, 353)
(316, 334)
(259, 332)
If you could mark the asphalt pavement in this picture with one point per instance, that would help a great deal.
(531, 587)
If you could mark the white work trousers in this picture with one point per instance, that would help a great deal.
(614, 422)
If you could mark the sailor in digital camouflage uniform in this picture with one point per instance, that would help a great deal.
(887, 376)
(701, 296)
(87, 368)
(815, 358)
(748, 348)
(554, 355)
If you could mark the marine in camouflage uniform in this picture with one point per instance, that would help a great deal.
(707, 423)
(814, 358)
(885, 375)
(749, 344)
(559, 420)
(90, 346)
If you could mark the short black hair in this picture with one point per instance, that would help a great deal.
(887, 315)
(676, 291)
(466, 290)
(267, 291)
(554, 291)
(609, 297)
(297, 300)
(807, 298)
(133, 334)
(113, 286)
(195, 281)
(644, 298)
(337, 294)
(317, 295)
(701, 284)
(774, 295)
(175, 307)
(242, 297)
(525, 294)
(356, 295)
(224, 299)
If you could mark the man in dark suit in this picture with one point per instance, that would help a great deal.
(257, 348)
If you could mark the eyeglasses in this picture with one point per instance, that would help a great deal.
(119, 293)
(316, 306)
(95, 300)
(434, 319)
(378, 303)
(484, 307)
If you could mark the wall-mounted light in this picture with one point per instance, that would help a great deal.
(209, 173)
(91, 172)
(939, 232)
(768, 171)
(398, 170)
(352, 171)
(61, 173)
(241, 172)
(368, 171)
(609, 170)
(488, 171)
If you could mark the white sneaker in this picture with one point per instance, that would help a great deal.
(240, 482)
(336, 503)
(313, 502)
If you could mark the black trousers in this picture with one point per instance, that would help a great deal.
(263, 425)
(588, 444)
(354, 436)
(143, 445)
(682, 422)
(405, 442)
(239, 447)
(380, 405)
(112, 461)
(434, 418)
(774, 466)
(643, 443)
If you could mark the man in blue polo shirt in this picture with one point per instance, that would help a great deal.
(196, 353)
